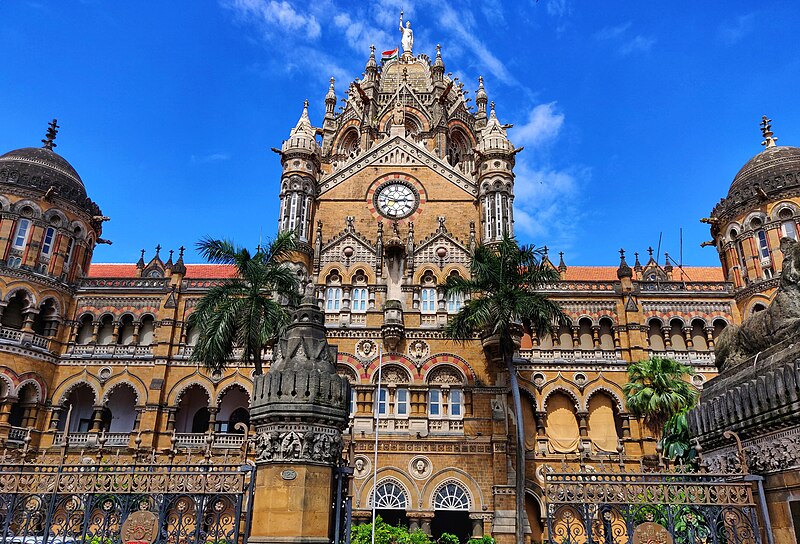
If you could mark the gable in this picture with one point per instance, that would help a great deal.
(401, 153)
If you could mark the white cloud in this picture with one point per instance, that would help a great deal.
(543, 124)
(732, 32)
(559, 8)
(640, 43)
(612, 32)
(619, 34)
(212, 157)
(275, 17)
(546, 206)
(463, 25)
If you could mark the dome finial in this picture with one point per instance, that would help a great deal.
(766, 131)
(50, 138)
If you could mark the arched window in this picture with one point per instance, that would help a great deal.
(21, 234)
(561, 424)
(763, 246)
(46, 321)
(147, 330)
(605, 426)
(192, 415)
(233, 409)
(788, 224)
(121, 403)
(125, 330)
(85, 331)
(192, 335)
(428, 300)
(606, 334)
(389, 495)
(105, 335)
(655, 335)
(13, 314)
(676, 335)
(451, 496)
(47, 241)
(82, 400)
(719, 326)
(333, 299)
(349, 146)
(358, 300)
(454, 302)
(699, 335)
(758, 307)
(585, 334)
(565, 337)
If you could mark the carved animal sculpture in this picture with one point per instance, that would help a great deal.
(780, 321)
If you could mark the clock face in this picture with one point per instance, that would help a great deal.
(395, 200)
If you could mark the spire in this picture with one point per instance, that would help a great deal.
(372, 64)
(169, 264)
(480, 96)
(180, 267)
(330, 99)
(50, 137)
(766, 132)
(624, 271)
(562, 267)
(140, 262)
(637, 265)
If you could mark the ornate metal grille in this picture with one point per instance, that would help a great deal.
(606, 506)
(201, 501)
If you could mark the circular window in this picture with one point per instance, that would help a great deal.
(396, 199)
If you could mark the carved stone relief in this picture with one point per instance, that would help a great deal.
(298, 443)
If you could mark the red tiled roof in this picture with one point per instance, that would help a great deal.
(574, 273)
(128, 270)
(609, 273)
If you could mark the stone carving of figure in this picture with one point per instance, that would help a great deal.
(399, 114)
(408, 35)
(420, 466)
(778, 323)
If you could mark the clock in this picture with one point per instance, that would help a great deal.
(396, 200)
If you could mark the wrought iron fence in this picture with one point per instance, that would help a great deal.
(611, 504)
(193, 500)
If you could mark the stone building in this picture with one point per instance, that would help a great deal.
(387, 197)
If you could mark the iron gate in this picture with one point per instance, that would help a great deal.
(606, 506)
(195, 502)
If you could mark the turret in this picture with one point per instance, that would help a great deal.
(300, 158)
(495, 164)
(480, 101)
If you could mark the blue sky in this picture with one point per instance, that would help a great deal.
(635, 116)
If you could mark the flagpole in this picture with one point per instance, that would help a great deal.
(377, 409)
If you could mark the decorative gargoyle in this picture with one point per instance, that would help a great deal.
(768, 328)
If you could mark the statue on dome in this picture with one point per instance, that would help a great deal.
(408, 35)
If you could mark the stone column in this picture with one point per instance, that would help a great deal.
(425, 522)
(212, 418)
(298, 436)
(97, 419)
(626, 425)
(710, 337)
(687, 336)
(5, 413)
(477, 525)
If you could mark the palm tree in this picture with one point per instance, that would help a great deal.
(657, 390)
(243, 311)
(504, 297)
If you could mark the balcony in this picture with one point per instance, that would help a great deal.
(24, 339)
(199, 440)
(16, 435)
(110, 350)
(699, 358)
(583, 355)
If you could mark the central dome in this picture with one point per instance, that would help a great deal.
(773, 168)
(41, 168)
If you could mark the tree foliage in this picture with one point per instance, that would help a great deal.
(504, 290)
(657, 391)
(243, 311)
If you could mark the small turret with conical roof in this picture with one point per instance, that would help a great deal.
(495, 166)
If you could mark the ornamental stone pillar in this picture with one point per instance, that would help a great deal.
(299, 411)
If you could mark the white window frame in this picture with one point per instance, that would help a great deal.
(333, 299)
(293, 211)
(435, 392)
(789, 228)
(382, 401)
(401, 404)
(358, 299)
(763, 245)
(454, 302)
(353, 401)
(21, 233)
(456, 399)
(47, 247)
(427, 300)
